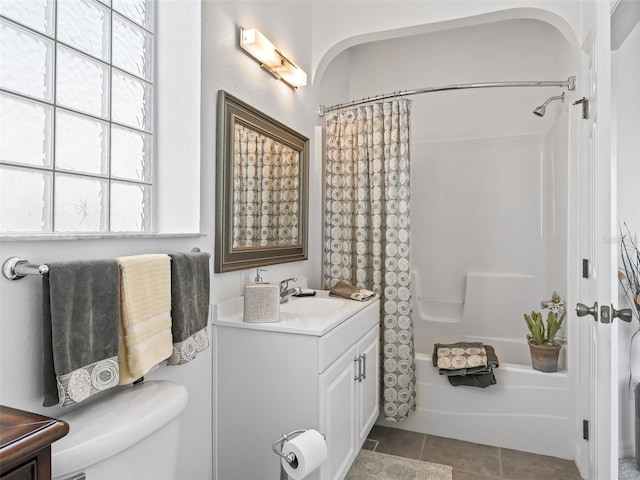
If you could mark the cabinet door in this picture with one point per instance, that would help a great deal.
(28, 471)
(337, 390)
(368, 349)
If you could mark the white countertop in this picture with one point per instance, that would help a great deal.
(304, 317)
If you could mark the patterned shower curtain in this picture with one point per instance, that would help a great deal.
(266, 190)
(366, 238)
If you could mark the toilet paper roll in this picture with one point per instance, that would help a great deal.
(310, 450)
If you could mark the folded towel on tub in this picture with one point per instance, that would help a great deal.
(483, 378)
(190, 280)
(145, 306)
(479, 376)
(459, 356)
(81, 317)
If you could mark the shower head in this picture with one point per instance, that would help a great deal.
(541, 110)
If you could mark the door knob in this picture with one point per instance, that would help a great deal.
(582, 310)
(623, 314)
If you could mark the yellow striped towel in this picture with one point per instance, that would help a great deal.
(145, 305)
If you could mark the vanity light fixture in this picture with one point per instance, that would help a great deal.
(271, 59)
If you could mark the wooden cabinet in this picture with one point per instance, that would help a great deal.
(25, 444)
(269, 382)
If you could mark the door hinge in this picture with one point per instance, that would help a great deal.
(585, 430)
(585, 107)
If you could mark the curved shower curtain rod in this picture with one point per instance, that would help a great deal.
(570, 84)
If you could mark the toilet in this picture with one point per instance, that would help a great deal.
(130, 433)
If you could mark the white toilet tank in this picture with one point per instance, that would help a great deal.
(132, 433)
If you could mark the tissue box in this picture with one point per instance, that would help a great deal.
(261, 303)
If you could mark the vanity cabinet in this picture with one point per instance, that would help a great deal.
(25, 444)
(271, 379)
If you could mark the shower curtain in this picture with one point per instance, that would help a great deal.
(265, 189)
(366, 230)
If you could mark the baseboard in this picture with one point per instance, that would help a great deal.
(626, 449)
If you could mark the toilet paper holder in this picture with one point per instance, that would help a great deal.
(290, 458)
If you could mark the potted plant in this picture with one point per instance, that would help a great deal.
(542, 344)
(629, 272)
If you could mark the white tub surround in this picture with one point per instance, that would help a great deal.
(317, 368)
(526, 410)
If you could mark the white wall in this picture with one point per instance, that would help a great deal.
(339, 25)
(226, 67)
(626, 95)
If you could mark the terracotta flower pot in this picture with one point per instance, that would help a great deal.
(544, 358)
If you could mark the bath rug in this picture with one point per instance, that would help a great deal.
(370, 465)
(628, 469)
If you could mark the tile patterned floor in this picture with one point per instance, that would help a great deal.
(470, 461)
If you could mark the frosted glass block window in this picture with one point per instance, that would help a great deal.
(84, 24)
(25, 131)
(26, 62)
(131, 101)
(35, 14)
(131, 154)
(31, 189)
(82, 143)
(80, 204)
(76, 124)
(131, 46)
(129, 207)
(82, 83)
(138, 11)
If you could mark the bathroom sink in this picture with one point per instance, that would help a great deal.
(304, 315)
(311, 306)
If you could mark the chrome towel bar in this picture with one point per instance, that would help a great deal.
(15, 268)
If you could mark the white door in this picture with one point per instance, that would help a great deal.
(596, 258)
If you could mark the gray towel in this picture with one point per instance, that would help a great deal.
(190, 282)
(81, 319)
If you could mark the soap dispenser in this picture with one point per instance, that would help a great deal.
(261, 301)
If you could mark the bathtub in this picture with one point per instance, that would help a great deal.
(526, 410)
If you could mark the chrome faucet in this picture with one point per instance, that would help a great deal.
(286, 292)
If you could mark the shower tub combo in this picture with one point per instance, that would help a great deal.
(494, 253)
(490, 170)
